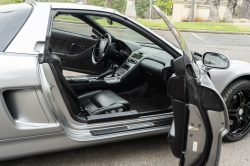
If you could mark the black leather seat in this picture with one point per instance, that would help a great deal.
(103, 101)
(94, 102)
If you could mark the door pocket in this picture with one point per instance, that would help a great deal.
(76, 48)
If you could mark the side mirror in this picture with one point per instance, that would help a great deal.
(215, 60)
(110, 22)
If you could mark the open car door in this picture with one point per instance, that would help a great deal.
(200, 114)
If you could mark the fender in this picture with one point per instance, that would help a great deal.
(222, 78)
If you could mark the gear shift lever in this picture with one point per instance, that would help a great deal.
(101, 77)
(115, 67)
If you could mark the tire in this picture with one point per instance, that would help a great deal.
(237, 99)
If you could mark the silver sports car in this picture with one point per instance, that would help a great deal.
(125, 82)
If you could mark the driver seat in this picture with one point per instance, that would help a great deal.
(95, 102)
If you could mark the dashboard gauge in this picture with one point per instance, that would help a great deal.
(125, 48)
(127, 51)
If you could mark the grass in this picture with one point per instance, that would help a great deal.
(180, 25)
(213, 26)
(5, 2)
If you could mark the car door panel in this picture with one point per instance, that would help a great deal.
(75, 52)
(200, 114)
(196, 134)
(177, 132)
(200, 117)
(64, 36)
(203, 98)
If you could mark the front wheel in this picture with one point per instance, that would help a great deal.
(237, 99)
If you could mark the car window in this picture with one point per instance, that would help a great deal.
(69, 23)
(120, 31)
(12, 18)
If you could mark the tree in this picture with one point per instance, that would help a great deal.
(191, 15)
(118, 5)
(130, 9)
(109, 4)
(231, 5)
(85, 2)
(214, 11)
(207, 2)
(19, 1)
(141, 7)
(245, 9)
(164, 5)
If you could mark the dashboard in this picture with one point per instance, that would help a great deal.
(122, 46)
(146, 59)
(142, 63)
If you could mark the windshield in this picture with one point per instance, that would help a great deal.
(178, 37)
(120, 31)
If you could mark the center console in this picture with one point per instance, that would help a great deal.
(84, 81)
(132, 60)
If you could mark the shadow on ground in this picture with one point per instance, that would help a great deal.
(145, 151)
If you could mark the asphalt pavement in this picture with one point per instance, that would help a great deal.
(155, 150)
(237, 47)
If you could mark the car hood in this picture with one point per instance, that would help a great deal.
(239, 62)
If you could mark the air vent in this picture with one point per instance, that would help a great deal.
(167, 75)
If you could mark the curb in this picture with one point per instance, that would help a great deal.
(215, 32)
(166, 29)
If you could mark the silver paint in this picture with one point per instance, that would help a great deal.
(19, 71)
(194, 136)
(48, 143)
(22, 71)
(33, 31)
(81, 131)
(20, 141)
(222, 78)
(25, 107)
(218, 124)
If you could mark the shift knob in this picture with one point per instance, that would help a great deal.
(115, 67)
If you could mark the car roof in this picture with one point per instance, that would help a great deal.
(73, 6)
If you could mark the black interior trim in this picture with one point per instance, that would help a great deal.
(112, 117)
(153, 112)
(45, 57)
(125, 128)
(73, 115)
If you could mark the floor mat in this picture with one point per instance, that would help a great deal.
(147, 98)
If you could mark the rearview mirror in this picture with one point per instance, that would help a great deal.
(110, 22)
(215, 60)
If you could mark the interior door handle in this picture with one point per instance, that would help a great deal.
(76, 48)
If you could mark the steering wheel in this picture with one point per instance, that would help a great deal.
(101, 48)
